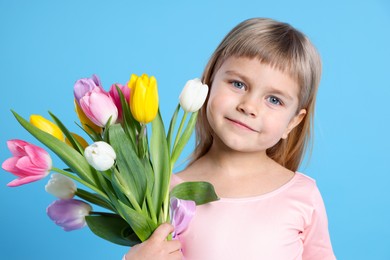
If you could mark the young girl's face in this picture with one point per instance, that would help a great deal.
(252, 105)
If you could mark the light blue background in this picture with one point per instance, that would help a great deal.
(45, 46)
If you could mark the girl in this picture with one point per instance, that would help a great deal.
(251, 137)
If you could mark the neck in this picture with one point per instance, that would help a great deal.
(236, 163)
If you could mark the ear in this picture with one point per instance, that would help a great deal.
(294, 122)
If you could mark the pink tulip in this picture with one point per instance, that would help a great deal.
(182, 212)
(115, 97)
(69, 213)
(29, 162)
(83, 86)
(99, 107)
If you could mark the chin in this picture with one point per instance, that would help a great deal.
(240, 146)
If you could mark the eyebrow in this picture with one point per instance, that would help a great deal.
(268, 88)
(235, 73)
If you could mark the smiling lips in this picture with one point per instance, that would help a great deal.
(241, 124)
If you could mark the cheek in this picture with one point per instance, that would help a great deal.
(216, 109)
(277, 124)
(211, 109)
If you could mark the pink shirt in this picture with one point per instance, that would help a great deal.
(288, 223)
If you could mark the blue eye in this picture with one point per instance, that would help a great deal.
(274, 100)
(238, 84)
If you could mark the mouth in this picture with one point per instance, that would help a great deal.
(241, 124)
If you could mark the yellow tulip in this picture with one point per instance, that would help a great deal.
(144, 98)
(47, 126)
(81, 140)
(132, 81)
(85, 121)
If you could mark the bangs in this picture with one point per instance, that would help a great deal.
(280, 46)
(284, 52)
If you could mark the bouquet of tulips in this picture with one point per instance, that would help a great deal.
(121, 169)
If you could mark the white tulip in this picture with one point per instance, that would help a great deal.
(100, 155)
(193, 95)
(61, 186)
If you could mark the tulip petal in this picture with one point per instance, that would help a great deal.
(101, 162)
(16, 147)
(24, 165)
(47, 126)
(116, 98)
(69, 214)
(103, 107)
(83, 86)
(24, 180)
(144, 99)
(85, 121)
(61, 186)
(99, 107)
(9, 165)
(182, 213)
(30, 163)
(100, 155)
(96, 80)
(193, 95)
(38, 157)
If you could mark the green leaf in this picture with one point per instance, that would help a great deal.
(160, 158)
(200, 192)
(75, 161)
(76, 145)
(131, 171)
(172, 127)
(148, 171)
(184, 138)
(92, 135)
(130, 125)
(142, 225)
(106, 185)
(94, 198)
(123, 194)
(113, 228)
(152, 209)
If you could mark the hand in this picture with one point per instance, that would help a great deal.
(157, 247)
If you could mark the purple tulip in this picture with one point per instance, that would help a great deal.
(115, 97)
(182, 212)
(29, 162)
(69, 214)
(98, 106)
(83, 86)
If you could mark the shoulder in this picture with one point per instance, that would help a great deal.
(175, 180)
(192, 172)
(306, 188)
(304, 181)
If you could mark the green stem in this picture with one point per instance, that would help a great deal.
(166, 207)
(127, 193)
(183, 119)
(141, 142)
(133, 201)
(80, 181)
(93, 198)
(171, 128)
(166, 201)
(151, 207)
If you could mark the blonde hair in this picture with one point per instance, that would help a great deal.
(282, 47)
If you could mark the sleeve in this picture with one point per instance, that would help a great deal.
(316, 239)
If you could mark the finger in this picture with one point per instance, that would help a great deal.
(176, 255)
(173, 245)
(162, 232)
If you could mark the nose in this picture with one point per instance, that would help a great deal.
(248, 106)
